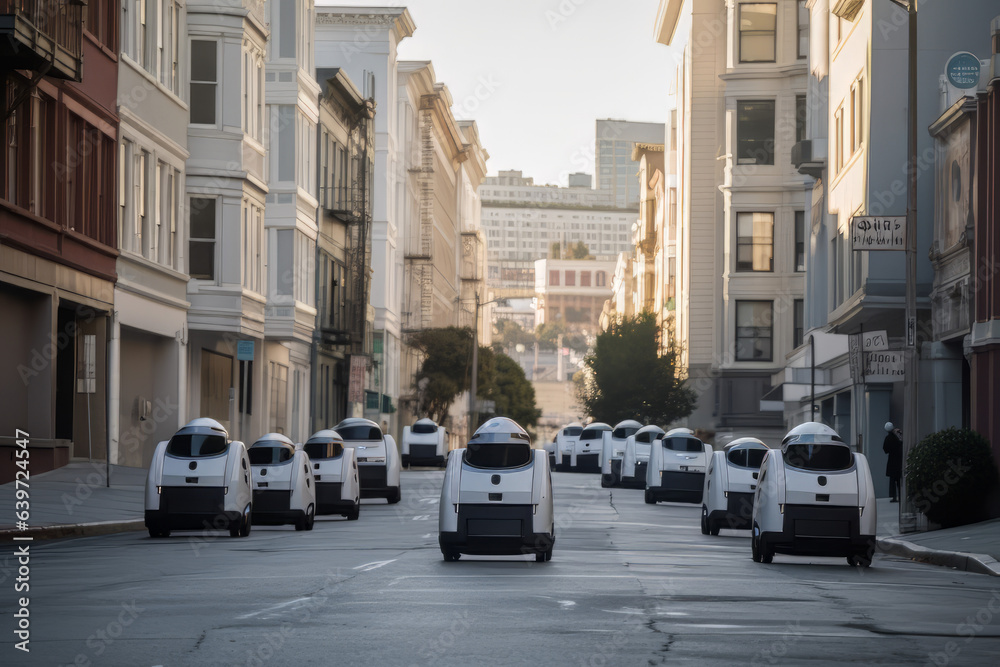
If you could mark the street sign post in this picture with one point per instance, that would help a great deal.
(873, 232)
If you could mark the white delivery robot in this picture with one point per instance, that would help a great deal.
(565, 445)
(338, 490)
(424, 444)
(635, 460)
(814, 497)
(613, 449)
(497, 496)
(550, 449)
(198, 480)
(378, 458)
(284, 490)
(730, 485)
(587, 449)
(676, 470)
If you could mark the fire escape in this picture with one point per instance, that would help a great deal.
(352, 204)
(44, 37)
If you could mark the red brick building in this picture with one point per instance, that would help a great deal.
(985, 339)
(58, 223)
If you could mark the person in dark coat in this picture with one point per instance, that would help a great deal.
(893, 447)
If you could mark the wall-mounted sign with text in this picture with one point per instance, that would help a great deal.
(884, 366)
(872, 232)
(963, 70)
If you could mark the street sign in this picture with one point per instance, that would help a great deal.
(244, 350)
(963, 70)
(875, 341)
(884, 366)
(871, 232)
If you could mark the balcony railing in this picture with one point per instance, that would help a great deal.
(43, 34)
(348, 202)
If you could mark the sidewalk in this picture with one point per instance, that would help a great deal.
(75, 500)
(975, 548)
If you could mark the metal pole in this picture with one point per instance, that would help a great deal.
(243, 416)
(473, 417)
(812, 377)
(907, 518)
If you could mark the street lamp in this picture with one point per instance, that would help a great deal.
(473, 388)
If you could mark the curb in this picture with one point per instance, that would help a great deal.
(73, 530)
(978, 563)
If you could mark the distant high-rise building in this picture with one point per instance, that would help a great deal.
(581, 180)
(523, 222)
(616, 171)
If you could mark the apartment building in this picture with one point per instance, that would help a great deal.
(226, 186)
(148, 353)
(373, 58)
(523, 221)
(740, 87)
(343, 249)
(58, 172)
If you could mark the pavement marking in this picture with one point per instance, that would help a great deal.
(374, 565)
(274, 607)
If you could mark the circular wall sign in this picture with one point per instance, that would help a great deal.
(963, 70)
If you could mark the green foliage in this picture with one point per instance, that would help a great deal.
(555, 251)
(512, 392)
(578, 251)
(509, 334)
(445, 371)
(627, 378)
(948, 475)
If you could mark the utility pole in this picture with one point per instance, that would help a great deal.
(473, 388)
(907, 516)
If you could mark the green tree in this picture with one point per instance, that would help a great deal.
(626, 378)
(445, 370)
(509, 334)
(512, 393)
(555, 251)
(578, 251)
(548, 334)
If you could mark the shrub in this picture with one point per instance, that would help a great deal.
(948, 475)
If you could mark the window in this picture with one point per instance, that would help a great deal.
(803, 25)
(585, 279)
(253, 100)
(798, 315)
(755, 241)
(253, 233)
(279, 398)
(800, 118)
(754, 326)
(201, 245)
(554, 278)
(570, 278)
(601, 279)
(755, 132)
(857, 114)
(204, 80)
(838, 139)
(758, 23)
(800, 241)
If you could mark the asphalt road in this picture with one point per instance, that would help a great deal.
(629, 584)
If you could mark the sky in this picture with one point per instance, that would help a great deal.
(536, 74)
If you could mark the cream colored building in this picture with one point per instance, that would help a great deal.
(740, 83)
(443, 254)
